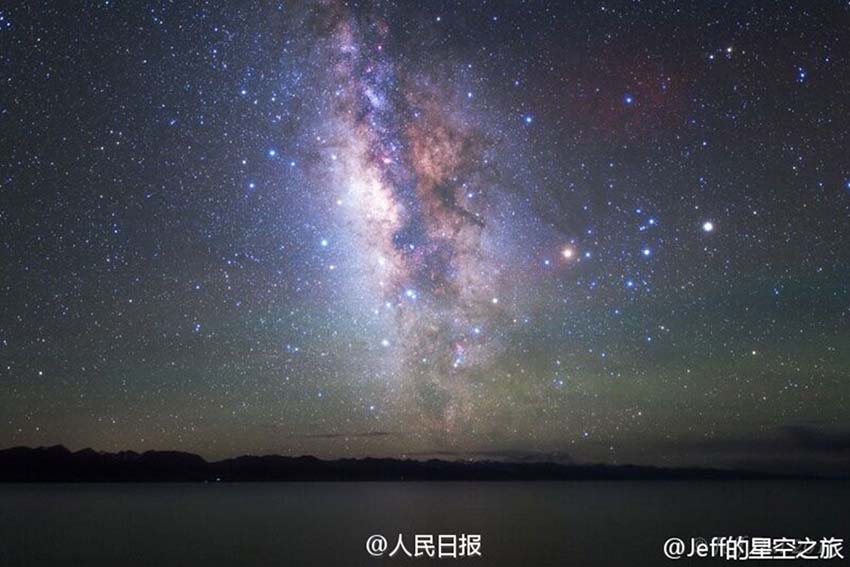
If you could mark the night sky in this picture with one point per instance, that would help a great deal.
(613, 231)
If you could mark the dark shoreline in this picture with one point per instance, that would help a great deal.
(58, 464)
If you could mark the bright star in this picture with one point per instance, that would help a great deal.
(708, 226)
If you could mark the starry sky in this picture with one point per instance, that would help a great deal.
(597, 231)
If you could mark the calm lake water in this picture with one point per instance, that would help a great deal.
(327, 524)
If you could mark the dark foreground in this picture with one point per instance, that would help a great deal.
(327, 524)
(58, 464)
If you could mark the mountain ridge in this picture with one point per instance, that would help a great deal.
(59, 464)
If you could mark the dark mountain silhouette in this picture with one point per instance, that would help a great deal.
(58, 464)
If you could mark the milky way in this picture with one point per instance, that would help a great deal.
(514, 230)
(408, 174)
